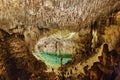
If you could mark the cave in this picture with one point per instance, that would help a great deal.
(59, 40)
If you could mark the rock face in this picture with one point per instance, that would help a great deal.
(41, 25)
(16, 62)
(112, 36)
(99, 67)
(112, 32)
(107, 68)
(59, 42)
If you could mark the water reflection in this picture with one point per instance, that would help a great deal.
(53, 59)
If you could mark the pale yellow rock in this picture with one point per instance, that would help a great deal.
(117, 18)
(59, 42)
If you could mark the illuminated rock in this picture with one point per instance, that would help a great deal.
(56, 46)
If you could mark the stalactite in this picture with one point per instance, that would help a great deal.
(94, 34)
(94, 39)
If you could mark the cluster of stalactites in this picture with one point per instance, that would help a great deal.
(60, 13)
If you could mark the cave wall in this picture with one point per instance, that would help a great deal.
(38, 18)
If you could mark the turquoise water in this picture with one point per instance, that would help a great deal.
(53, 59)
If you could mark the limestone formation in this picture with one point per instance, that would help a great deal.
(37, 34)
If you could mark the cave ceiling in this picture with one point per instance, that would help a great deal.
(60, 14)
